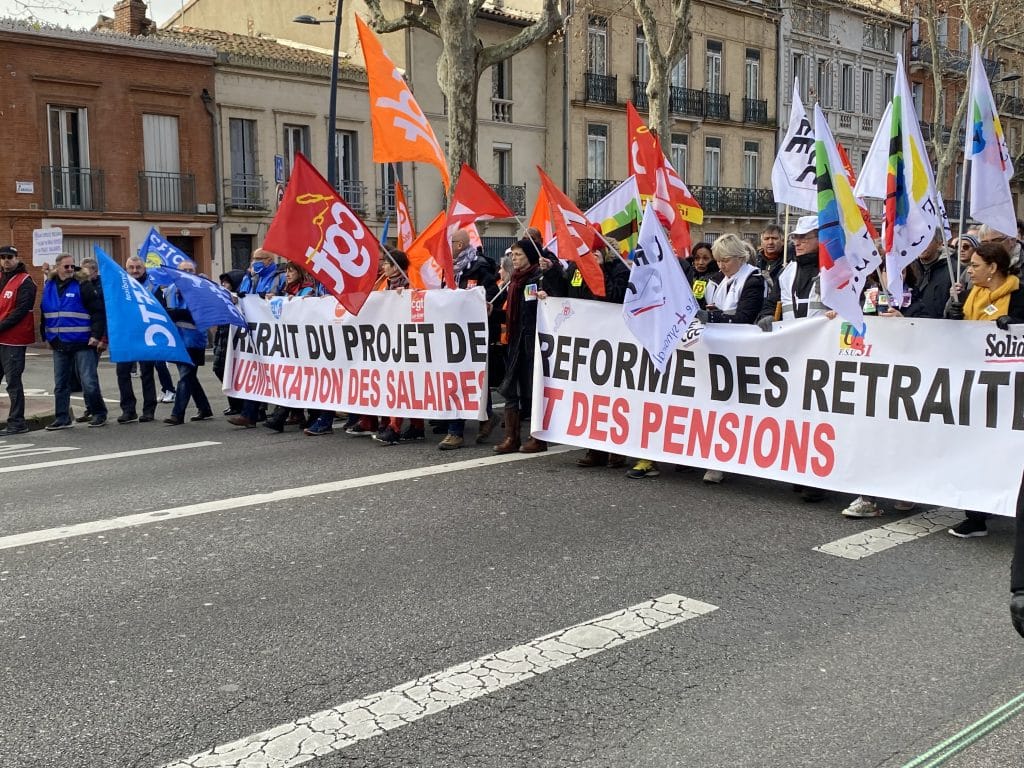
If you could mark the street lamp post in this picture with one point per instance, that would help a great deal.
(332, 111)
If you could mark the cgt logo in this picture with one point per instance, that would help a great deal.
(417, 306)
(851, 342)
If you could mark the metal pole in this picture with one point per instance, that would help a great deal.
(332, 112)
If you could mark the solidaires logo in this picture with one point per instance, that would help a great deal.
(1004, 348)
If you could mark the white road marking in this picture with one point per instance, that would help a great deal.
(106, 456)
(867, 543)
(332, 730)
(21, 450)
(190, 510)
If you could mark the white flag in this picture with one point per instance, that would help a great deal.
(897, 170)
(991, 168)
(793, 174)
(659, 304)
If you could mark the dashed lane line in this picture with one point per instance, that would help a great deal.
(331, 730)
(21, 450)
(106, 456)
(871, 542)
(271, 497)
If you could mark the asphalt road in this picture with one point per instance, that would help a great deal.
(142, 646)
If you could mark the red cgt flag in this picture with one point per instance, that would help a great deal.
(644, 152)
(577, 237)
(316, 229)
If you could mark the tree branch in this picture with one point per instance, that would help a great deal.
(412, 19)
(550, 20)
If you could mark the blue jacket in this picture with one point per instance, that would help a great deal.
(178, 312)
(267, 284)
(72, 313)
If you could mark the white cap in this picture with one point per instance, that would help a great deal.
(805, 225)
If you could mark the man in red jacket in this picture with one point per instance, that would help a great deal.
(17, 298)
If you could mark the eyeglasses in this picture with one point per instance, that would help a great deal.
(68, 267)
(6, 256)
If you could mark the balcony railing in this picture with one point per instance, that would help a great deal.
(943, 133)
(77, 189)
(501, 110)
(1010, 105)
(755, 111)
(386, 201)
(687, 101)
(952, 209)
(164, 192)
(948, 59)
(735, 201)
(717, 105)
(513, 195)
(867, 124)
(600, 89)
(640, 94)
(845, 120)
(589, 191)
(245, 192)
(353, 192)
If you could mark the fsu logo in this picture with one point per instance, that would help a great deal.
(851, 342)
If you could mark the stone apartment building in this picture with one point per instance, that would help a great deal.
(722, 103)
(107, 136)
(511, 107)
(844, 54)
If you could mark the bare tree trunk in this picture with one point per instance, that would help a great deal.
(662, 60)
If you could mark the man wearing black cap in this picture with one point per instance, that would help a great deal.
(17, 297)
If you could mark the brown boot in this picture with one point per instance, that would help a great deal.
(533, 445)
(511, 442)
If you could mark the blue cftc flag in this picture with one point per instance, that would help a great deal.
(208, 302)
(138, 328)
(156, 251)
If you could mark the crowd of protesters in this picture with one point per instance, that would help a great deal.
(975, 277)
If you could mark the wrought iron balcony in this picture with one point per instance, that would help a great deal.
(755, 111)
(948, 59)
(1010, 105)
(639, 93)
(600, 89)
(245, 192)
(513, 195)
(687, 101)
(386, 201)
(589, 191)
(952, 209)
(164, 192)
(77, 189)
(941, 133)
(717, 105)
(501, 110)
(353, 192)
(735, 201)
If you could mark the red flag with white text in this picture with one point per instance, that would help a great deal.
(317, 230)
(577, 237)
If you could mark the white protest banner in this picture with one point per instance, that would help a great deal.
(421, 354)
(47, 245)
(926, 410)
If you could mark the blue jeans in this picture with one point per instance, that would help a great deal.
(189, 387)
(82, 361)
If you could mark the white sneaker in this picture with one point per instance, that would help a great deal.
(713, 476)
(861, 507)
(168, 397)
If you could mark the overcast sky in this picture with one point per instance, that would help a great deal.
(79, 14)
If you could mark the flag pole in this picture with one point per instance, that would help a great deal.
(785, 239)
(960, 225)
(500, 291)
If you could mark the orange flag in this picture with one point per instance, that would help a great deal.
(541, 217)
(405, 234)
(424, 270)
(577, 237)
(400, 129)
(475, 199)
(315, 228)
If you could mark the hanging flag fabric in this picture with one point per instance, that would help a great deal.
(157, 251)
(404, 232)
(138, 327)
(618, 214)
(659, 304)
(846, 253)
(794, 172)
(316, 229)
(540, 219)
(577, 237)
(209, 303)
(474, 200)
(991, 168)
(852, 178)
(673, 206)
(401, 131)
(897, 169)
(424, 270)
(644, 153)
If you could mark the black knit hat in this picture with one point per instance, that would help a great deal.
(531, 249)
